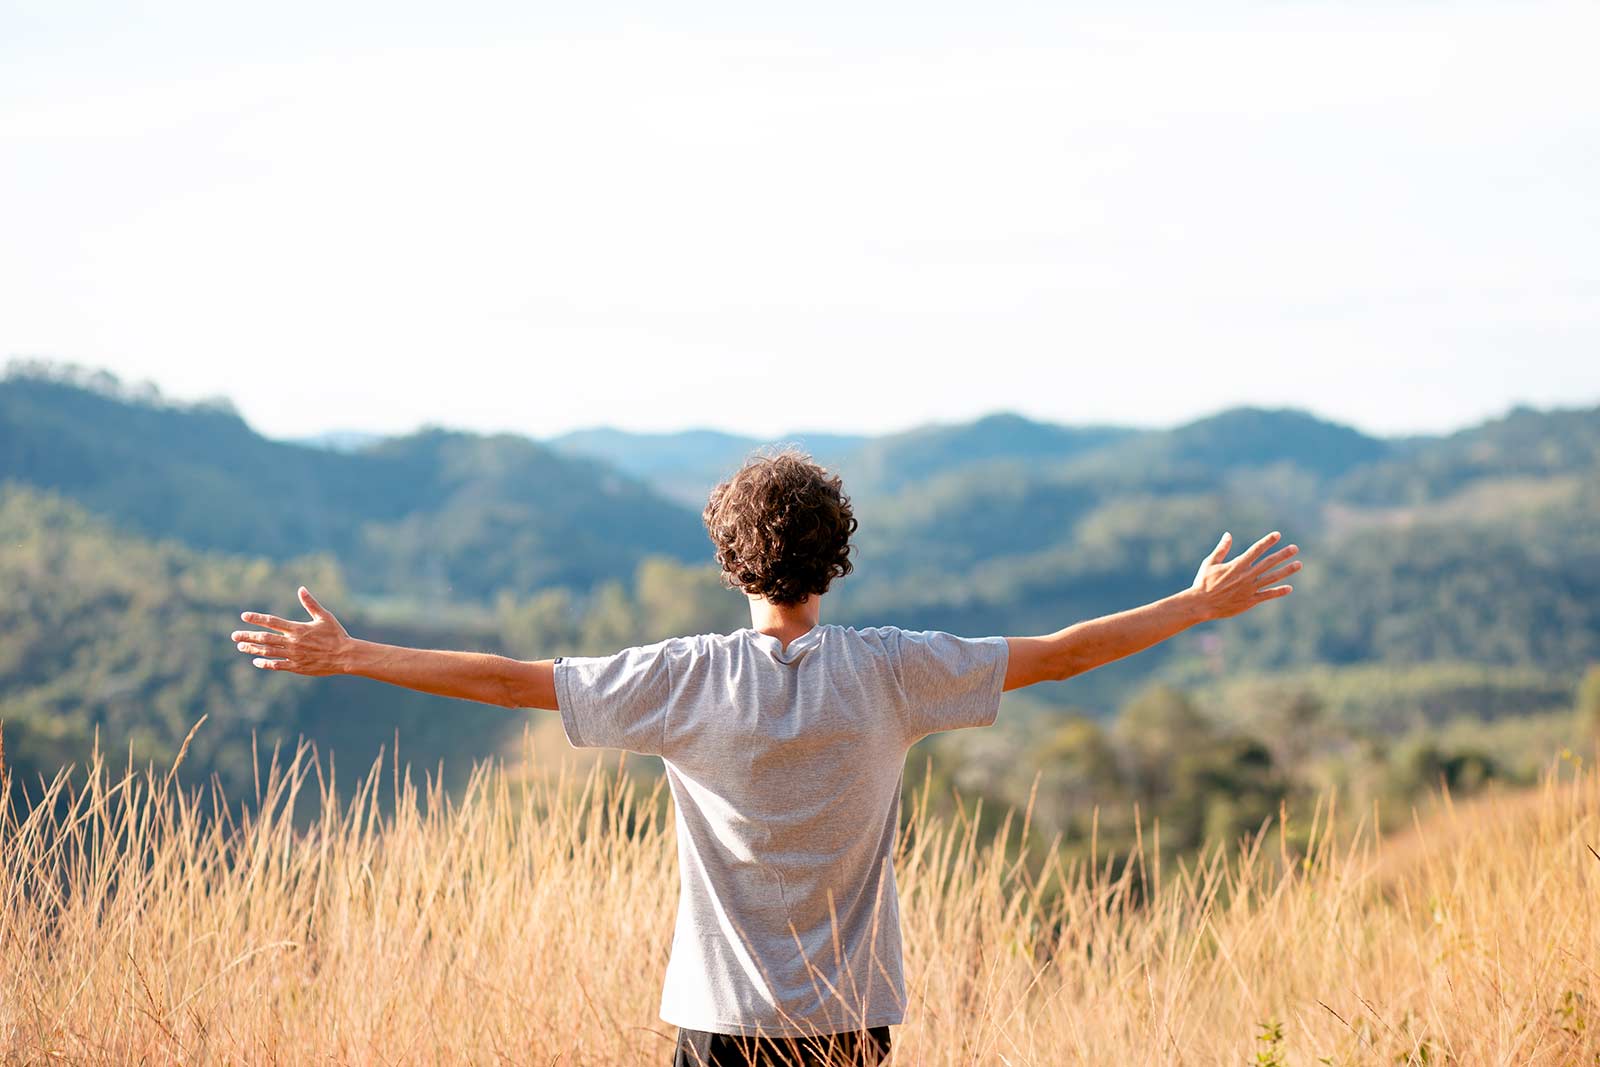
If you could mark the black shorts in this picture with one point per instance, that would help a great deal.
(854, 1048)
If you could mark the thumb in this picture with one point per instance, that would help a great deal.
(1221, 551)
(311, 605)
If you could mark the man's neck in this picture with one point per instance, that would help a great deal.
(784, 621)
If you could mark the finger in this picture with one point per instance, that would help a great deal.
(273, 664)
(1268, 562)
(259, 637)
(1259, 547)
(1220, 553)
(1280, 574)
(261, 650)
(286, 625)
(317, 611)
(1272, 594)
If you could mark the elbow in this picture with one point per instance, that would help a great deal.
(1067, 667)
(506, 695)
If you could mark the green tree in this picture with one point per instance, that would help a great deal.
(676, 599)
(1155, 729)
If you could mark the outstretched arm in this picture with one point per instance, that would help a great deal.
(321, 647)
(1220, 590)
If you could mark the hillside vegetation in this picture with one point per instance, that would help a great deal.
(111, 634)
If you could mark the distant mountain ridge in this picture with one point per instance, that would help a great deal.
(998, 524)
(340, 440)
(453, 514)
(1253, 437)
(886, 464)
(684, 465)
(1524, 442)
(687, 464)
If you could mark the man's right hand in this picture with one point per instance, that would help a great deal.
(1237, 585)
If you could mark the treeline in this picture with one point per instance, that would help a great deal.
(102, 632)
(1203, 768)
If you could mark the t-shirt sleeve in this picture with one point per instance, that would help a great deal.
(949, 682)
(617, 701)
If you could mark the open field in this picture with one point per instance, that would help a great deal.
(528, 920)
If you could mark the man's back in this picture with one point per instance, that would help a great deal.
(785, 766)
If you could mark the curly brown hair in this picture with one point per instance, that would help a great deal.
(782, 527)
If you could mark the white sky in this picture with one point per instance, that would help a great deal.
(821, 215)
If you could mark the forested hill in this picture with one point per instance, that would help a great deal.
(1347, 465)
(688, 463)
(1479, 546)
(436, 513)
(137, 528)
(1000, 523)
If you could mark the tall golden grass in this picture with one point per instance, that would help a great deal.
(527, 920)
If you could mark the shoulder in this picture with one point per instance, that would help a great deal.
(636, 656)
(894, 640)
(877, 635)
(868, 644)
(691, 649)
(707, 644)
(919, 646)
(697, 649)
(869, 639)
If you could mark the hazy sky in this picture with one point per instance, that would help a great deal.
(536, 217)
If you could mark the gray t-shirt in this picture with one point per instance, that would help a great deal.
(785, 768)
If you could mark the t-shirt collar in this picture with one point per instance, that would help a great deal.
(796, 648)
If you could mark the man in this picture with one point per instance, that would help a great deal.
(784, 746)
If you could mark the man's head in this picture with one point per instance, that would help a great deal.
(782, 528)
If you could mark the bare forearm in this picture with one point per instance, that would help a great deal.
(323, 646)
(1220, 590)
(486, 678)
(1092, 643)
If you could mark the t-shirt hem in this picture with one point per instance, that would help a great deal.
(726, 1026)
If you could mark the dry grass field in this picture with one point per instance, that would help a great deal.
(527, 921)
